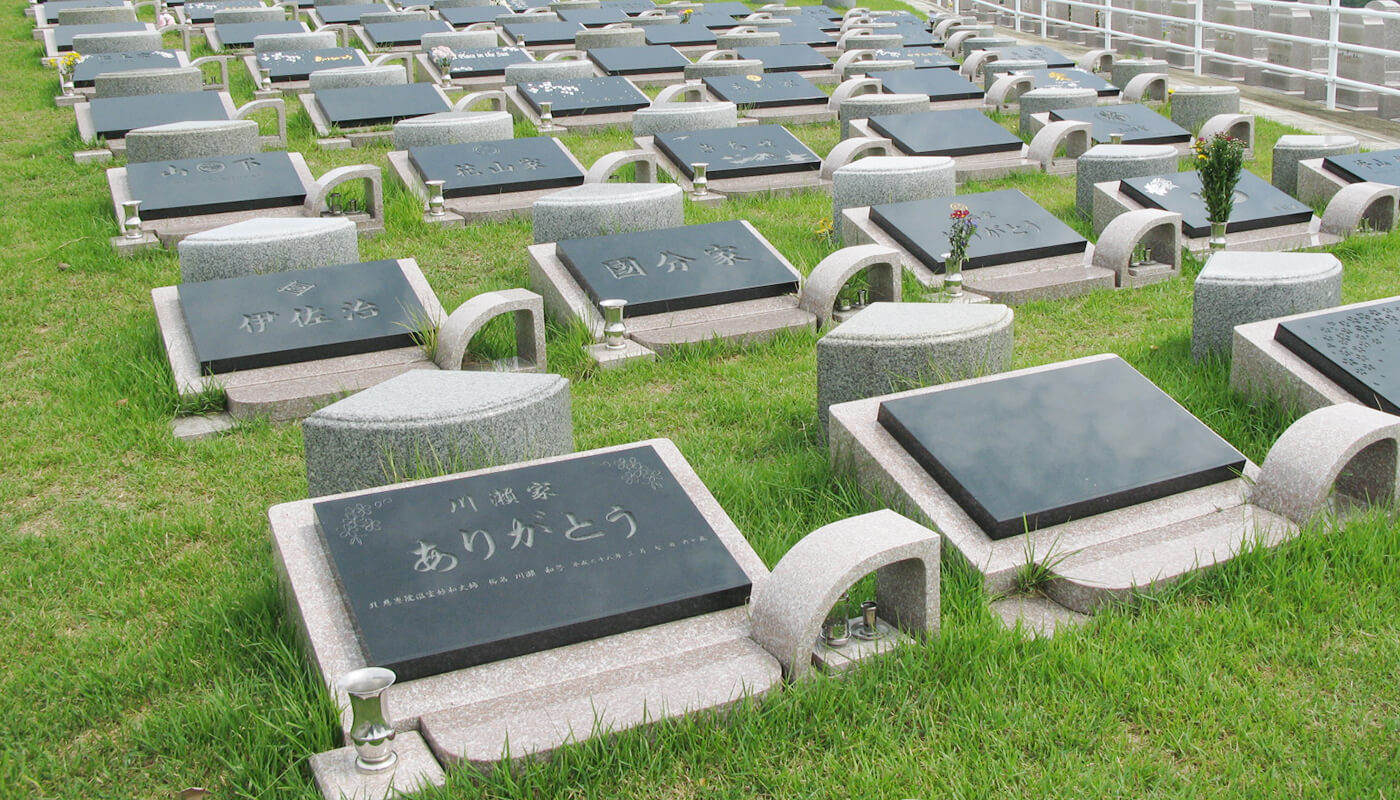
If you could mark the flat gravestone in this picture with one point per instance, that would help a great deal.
(922, 57)
(960, 132)
(290, 317)
(1010, 228)
(728, 9)
(535, 33)
(679, 34)
(507, 165)
(939, 84)
(202, 13)
(677, 268)
(486, 60)
(803, 32)
(469, 15)
(242, 34)
(580, 96)
(1030, 451)
(297, 65)
(1070, 79)
(1053, 58)
(593, 17)
(63, 34)
(786, 57)
(638, 60)
(765, 91)
(1381, 166)
(85, 71)
(1258, 203)
(112, 117)
(915, 35)
(1357, 349)
(457, 573)
(1138, 124)
(739, 152)
(214, 184)
(349, 14)
(394, 34)
(711, 20)
(373, 105)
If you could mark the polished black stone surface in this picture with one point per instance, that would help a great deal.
(638, 60)
(738, 152)
(1030, 451)
(959, 132)
(507, 165)
(377, 105)
(803, 32)
(302, 315)
(536, 33)
(63, 34)
(452, 574)
(214, 184)
(487, 61)
(98, 63)
(241, 34)
(1381, 166)
(461, 17)
(940, 85)
(769, 91)
(923, 57)
(350, 14)
(1071, 79)
(786, 57)
(394, 34)
(1010, 228)
(203, 11)
(1138, 124)
(677, 268)
(1358, 349)
(112, 117)
(593, 17)
(1053, 58)
(580, 96)
(679, 34)
(296, 65)
(915, 34)
(1258, 203)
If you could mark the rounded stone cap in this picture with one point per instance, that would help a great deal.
(1057, 92)
(1310, 141)
(901, 165)
(453, 127)
(924, 322)
(349, 77)
(1245, 267)
(264, 228)
(610, 193)
(440, 397)
(1129, 152)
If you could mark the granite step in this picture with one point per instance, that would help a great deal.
(1048, 284)
(294, 398)
(748, 327)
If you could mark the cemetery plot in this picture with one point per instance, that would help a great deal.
(451, 574)
(397, 34)
(63, 34)
(350, 14)
(112, 117)
(679, 35)
(375, 105)
(592, 17)
(1258, 204)
(470, 15)
(1381, 166)
(923, 57)
(765, 91)
(215, 184)
(297, 65)
(677, 268)
(99, 63)
(1071, 79)
(1355, 348)
(241, 34)
(486, 61)
(580, 96)
(202, 13)
(1053, 58)
(1137, 123)
(738, 152)
(537, 33)
(638, 60)
(291, 317)
(958, 132)
(1010, 228)
(939, 84)
(508, 165)
(1037, 449)
(786, 57)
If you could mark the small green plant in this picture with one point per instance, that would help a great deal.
(422, 328)
(1035, 573)
(211, 399)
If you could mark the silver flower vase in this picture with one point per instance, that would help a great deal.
(372, 736)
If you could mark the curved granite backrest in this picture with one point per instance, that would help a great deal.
(105, 15)
(461, 3)
(291, 42)
(120, 42)
(176, 140)
(668, 117)
(453, 127)
(376, 17)
(459, 40)
(234, 16)
(149, 81)
(267, 244)
(352, 77)
(547, 71)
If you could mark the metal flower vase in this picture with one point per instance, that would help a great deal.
(371, 735)
(614, 329)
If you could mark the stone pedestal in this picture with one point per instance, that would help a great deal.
(1113, 162)
(1235, 288)
(1291, 149)
(1193, 105)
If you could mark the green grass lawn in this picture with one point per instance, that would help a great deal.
(147, 648)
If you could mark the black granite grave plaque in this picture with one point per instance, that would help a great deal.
(398, 34)
(677, 268)
(215, 184)
(303, 315)
(959, 132)
(241, 34)
(679, 34)
(457, 573)
(738, 152)
(1070, 79)
(297, 65)
(803, 32)
(1053, 58)
(350, 14)
(915, 35)
(580, 96)
(487, 61)
(923, 57)
(507, 165)
(1381, 166)
(470, 15)
(112, 117)
(1138, 124)
(638, 60)
(766, 91)
(98, 63)
(786, 57)
(538, 33)
(1010, 228)
(630, 7)
(1258, 204)
(63, 34)
(593, 17)
(1030, 451)
(202, 12)
(941, 85)
(1356, 348)
(376, 105)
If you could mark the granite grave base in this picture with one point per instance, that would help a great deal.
(487, 206)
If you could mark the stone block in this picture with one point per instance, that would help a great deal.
(239, 16)
(1038, 101)
(354, 77)
(599, 38)
(98, 15)
(1193, 105)
(267, 244)
(602, 209)
(993, 70)
(547, 71)
(720, 67)
(291, 42)
(148, 81)
(671, 117)
(177, 140)
(1291, 149)
(120, 42)
(416, 769)
(458, 40)
(453, 127)
(733, 40)
(1114, 162)
(1125, 69)
(874, 180)
(1235, 288)
(864, 106)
